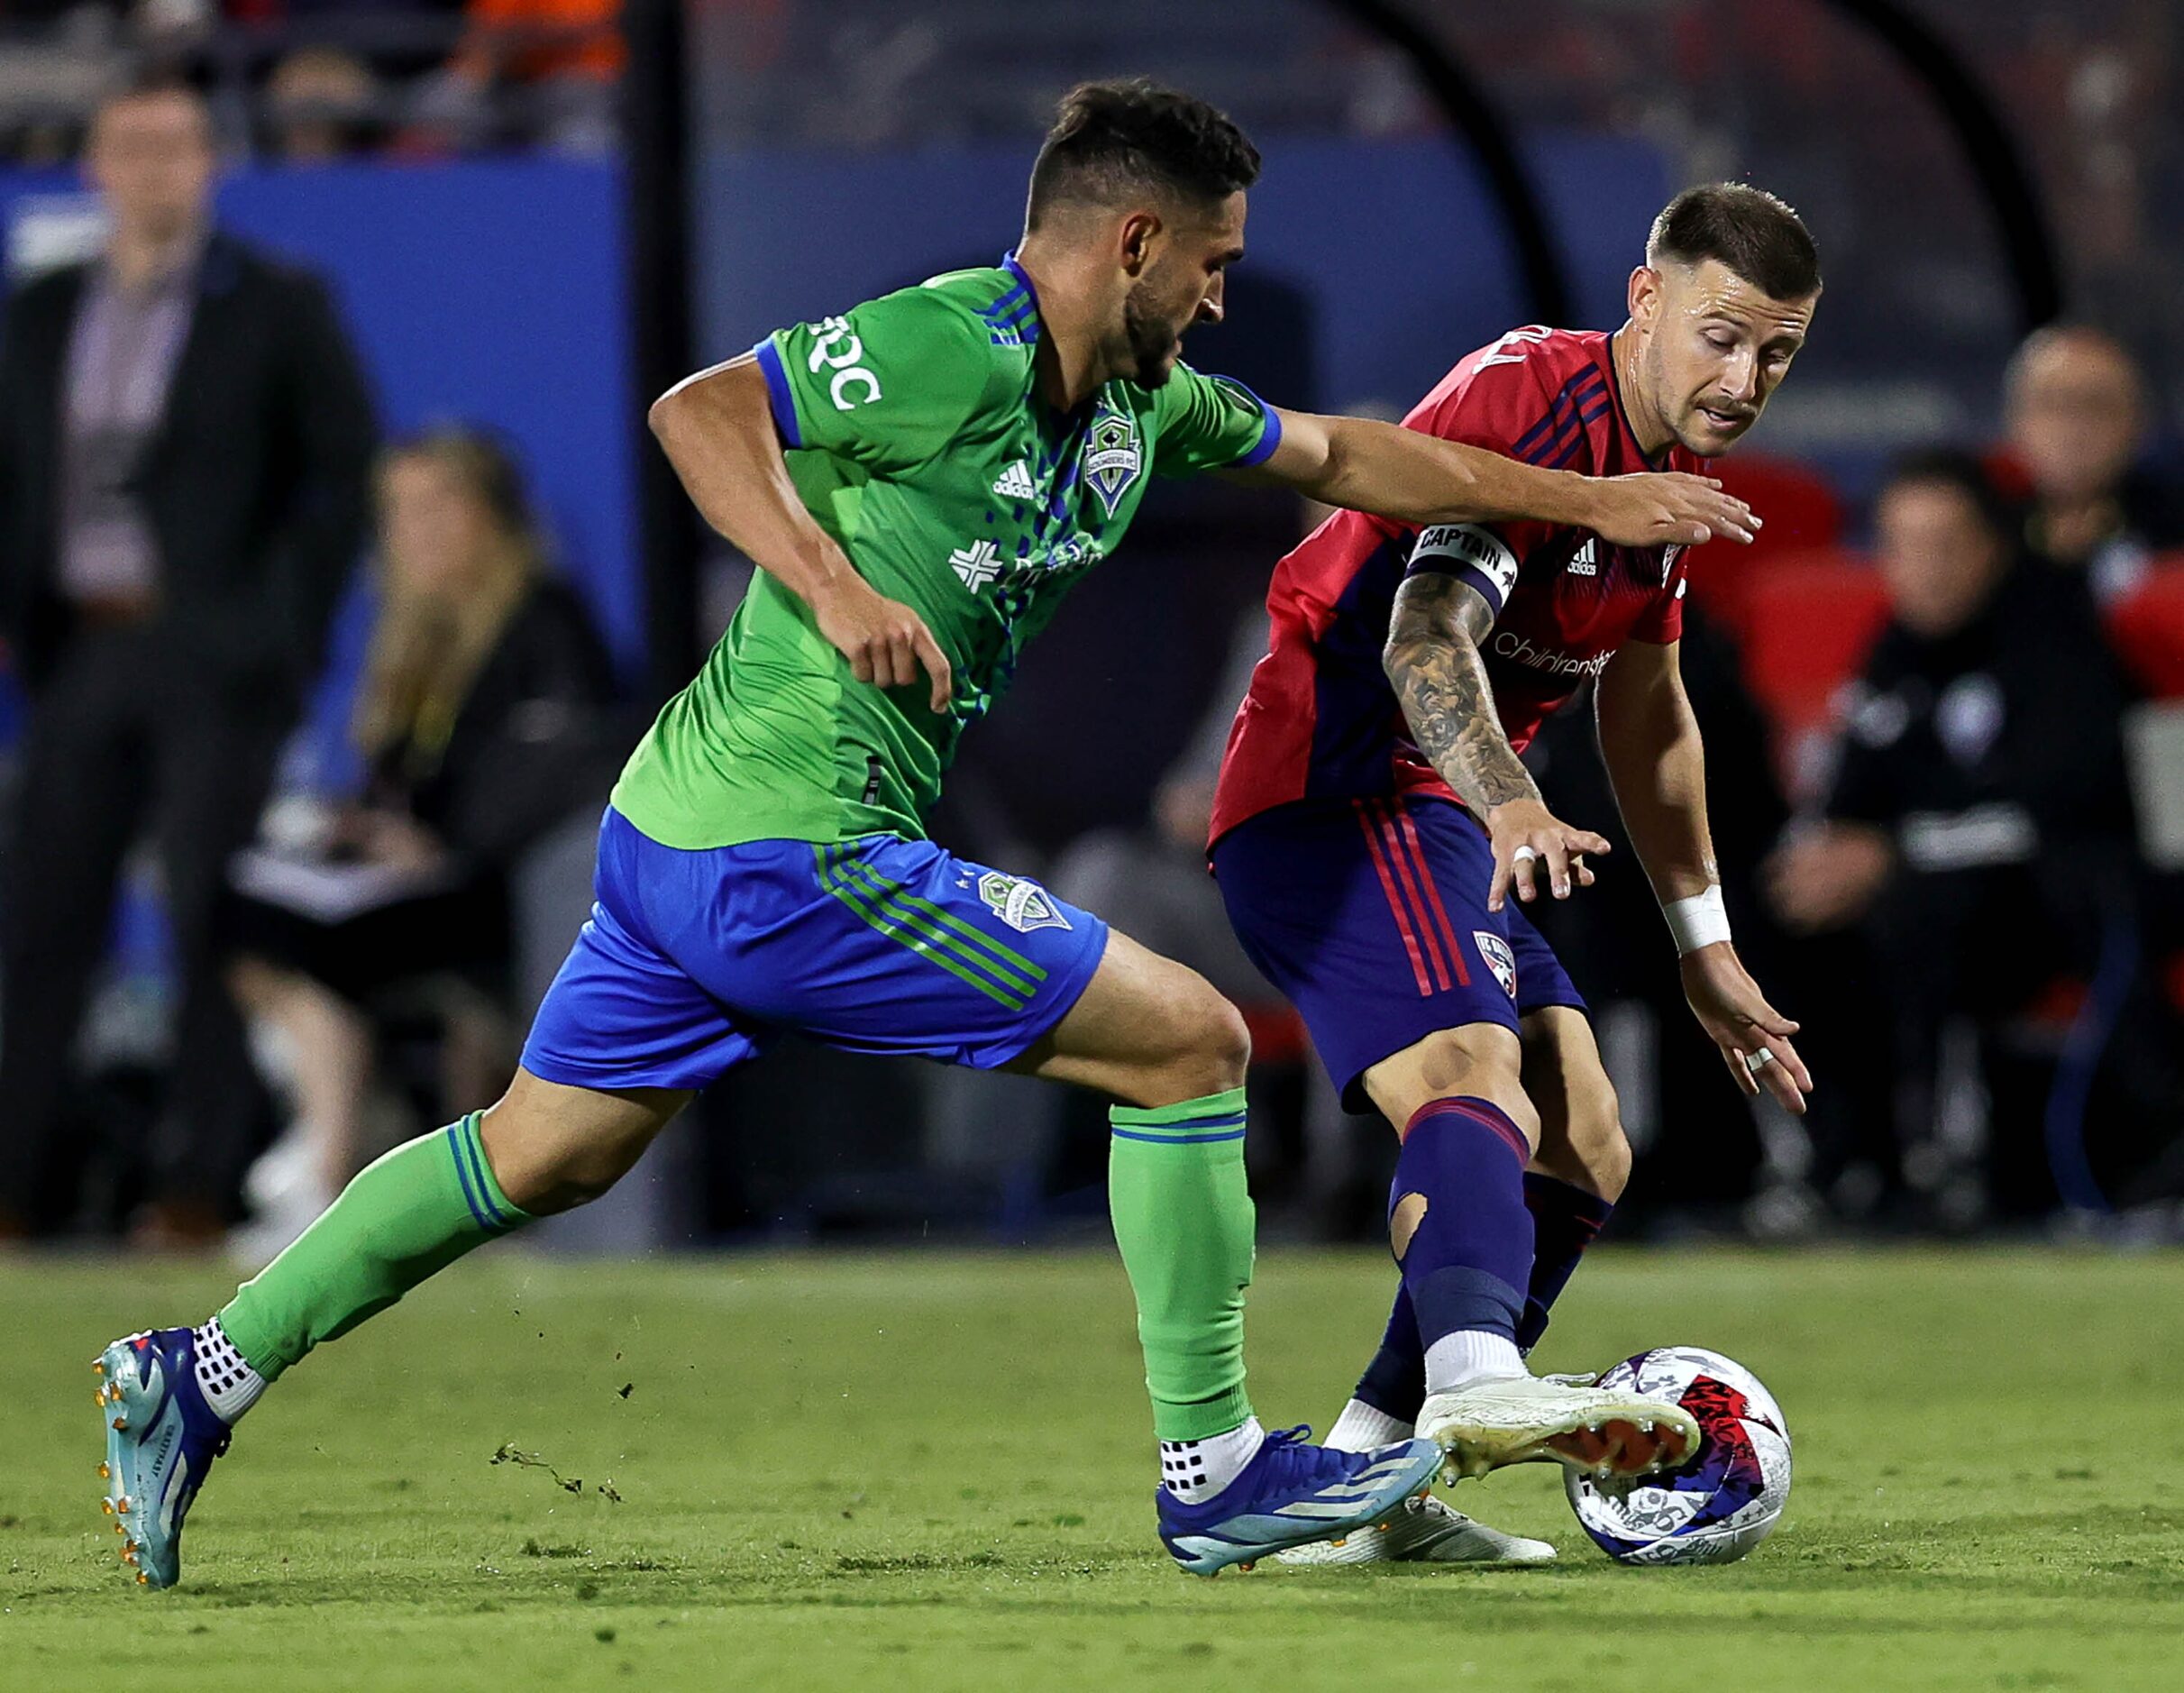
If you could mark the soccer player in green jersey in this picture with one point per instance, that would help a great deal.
(919, 480)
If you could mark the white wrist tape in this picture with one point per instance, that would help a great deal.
(1699, 921)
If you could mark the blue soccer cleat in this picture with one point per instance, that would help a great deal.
(161, 1438)
(1290, 1494)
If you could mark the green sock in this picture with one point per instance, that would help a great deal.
(1184, 1221)
(403, 1219)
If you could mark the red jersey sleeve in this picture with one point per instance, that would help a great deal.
(1496, 399)
(1662, 621)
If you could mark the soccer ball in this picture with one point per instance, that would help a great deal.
(1725, 1501)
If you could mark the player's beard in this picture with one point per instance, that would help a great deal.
(1151, 338)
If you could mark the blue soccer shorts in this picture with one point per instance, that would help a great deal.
(693, 962)
(1370, 916)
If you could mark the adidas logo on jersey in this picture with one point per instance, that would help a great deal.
(1584, 561)
(1016, 483)
(978, 563)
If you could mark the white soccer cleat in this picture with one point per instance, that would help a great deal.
(1516, 1419)
(1425, 1531)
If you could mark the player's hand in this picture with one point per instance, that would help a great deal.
(1653, 508)
(885, 641)
(1526, 835)
(1737, 1017)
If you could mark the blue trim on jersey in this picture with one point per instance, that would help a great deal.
(1176, 1140)
(778, 396)
(1531, 437)
(1576, 442)
(1270, 436)
(1568, 413)
(1026, 329)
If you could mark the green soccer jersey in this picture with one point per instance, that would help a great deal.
(918, 439)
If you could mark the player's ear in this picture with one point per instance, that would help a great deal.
(1140, 234)
(1645, 296)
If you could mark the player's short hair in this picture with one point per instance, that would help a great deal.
(1961, 471)
(1756, 235)
(1113, 140)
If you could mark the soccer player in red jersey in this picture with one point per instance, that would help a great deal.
(1373, 818)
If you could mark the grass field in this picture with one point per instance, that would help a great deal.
(934, 1471)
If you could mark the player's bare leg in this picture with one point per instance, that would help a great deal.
(1463, 1236)
(1582, 1163)
(1151, 1032)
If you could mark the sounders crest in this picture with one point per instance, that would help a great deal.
(1112, 458)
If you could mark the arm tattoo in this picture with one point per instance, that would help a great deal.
(1439, 673)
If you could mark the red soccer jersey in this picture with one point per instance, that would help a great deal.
(1321, 718)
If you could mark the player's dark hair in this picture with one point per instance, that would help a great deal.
(1756, 235)
(1112, 139)
(1951, 468)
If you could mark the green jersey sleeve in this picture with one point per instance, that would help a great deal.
(889, 384)
(1211, 423)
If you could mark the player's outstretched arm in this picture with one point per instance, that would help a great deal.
(716, 428)
(1412, 477)
(1433, 659)
(1657, 763)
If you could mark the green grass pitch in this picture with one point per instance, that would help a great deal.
(934, 1471)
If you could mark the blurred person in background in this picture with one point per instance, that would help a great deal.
(479, 718)
(554, 65)
(1978, 832)
(185, 445)
(322, 104)
(2078, 425)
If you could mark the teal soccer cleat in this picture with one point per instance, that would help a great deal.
(161, 1438)
(1290, 1494)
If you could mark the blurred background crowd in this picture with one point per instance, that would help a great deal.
(332, 597)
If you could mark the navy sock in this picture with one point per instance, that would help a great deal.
(1566, 1220)
(1394, 1382)
(1470, 1253)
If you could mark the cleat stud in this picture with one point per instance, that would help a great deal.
(1246, 1569)
(106, 1506)
(122, 1503)
(1340, 1544)
(106, 1470)
(129, 1558)
(143, 1580)
(121, 1423)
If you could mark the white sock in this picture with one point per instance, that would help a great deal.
(1195, 1471)
(230, 1385)
(1361, 1427)
(1457, 1360)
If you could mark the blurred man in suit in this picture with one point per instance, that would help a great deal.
(185, 445)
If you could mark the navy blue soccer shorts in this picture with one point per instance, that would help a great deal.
(1370, 916)
(693, 962)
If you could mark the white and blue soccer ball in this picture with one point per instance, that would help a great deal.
(1725, 1499)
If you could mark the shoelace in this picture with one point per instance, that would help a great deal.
(1292, 1461)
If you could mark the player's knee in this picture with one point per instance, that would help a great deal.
(1479, 1061)
(1218, 1049)
(1203, 1045)
(546, 1165)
